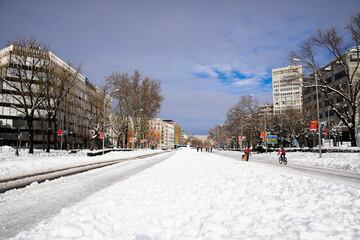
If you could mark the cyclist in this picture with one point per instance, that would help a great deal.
(282, 152)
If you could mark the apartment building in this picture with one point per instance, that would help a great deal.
(287, 85)
(164, 133)
(168, 134)
(76, 115)
(154, 133)
(335, 76)
(266, 110)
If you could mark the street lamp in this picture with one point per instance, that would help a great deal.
(317, 101)
(328, 116)
(265, 115)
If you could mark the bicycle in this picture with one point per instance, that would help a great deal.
(282, 159)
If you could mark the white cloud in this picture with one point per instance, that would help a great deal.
(247, 82)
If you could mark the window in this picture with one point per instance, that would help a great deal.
(353, 58)
(340, 75)
(339, 99)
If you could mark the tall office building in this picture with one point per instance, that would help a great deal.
(287, 88)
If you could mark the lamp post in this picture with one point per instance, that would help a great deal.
(318, 109)
(103, 130)
(317, 101)
(265, 130)
(328, 124)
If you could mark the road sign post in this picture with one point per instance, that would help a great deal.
(60, 133)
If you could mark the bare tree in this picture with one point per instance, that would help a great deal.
(153, 137)
(93, 106)
(243, 118)
(137, 100)
(119, 125)
(346, 61)
(61, 80)
(25, 80)
(218, 134)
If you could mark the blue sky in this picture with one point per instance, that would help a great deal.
(207, 54)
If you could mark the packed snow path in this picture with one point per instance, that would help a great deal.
(22, 181)
(21, 209)
(195, 195)
(326, 174)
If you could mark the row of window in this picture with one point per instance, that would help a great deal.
(287, 94)
(291, 70)
(291, 102)
(286, 87)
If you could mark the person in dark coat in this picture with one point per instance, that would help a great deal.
(247, 152)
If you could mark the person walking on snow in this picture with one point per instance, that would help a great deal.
(247, 152)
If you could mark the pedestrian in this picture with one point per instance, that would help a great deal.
(197, 148)
(247, 152)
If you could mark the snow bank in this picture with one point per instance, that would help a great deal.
(205, 196)
(348, 162)
(6, 148)
(13, 166)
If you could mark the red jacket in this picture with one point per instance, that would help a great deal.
(247, 150)
(282, 152)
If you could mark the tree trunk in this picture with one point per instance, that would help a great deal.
(118, 141)
(48, 133)
(126, 137)
(353, 136)
(31, 134)
(54, 132)
(43, 134)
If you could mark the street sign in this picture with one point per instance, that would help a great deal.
(59, 132)
(313, 125)
(101, 135)
(262, 135)
(271, 139)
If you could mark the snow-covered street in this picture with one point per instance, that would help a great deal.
(194, 195)
(23, 208)
(343, 168)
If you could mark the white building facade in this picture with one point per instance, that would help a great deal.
(168, 136)
(287, 85)
(72, 117)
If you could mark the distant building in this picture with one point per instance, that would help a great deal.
(155, 132)
(266, 110)
(164, 133)
(203, 138)
(287, 88)
(168, 136)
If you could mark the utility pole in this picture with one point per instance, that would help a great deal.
(265, 129)
(103, 129)
(317, 101)
(318, 111)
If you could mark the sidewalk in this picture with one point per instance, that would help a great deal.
(12, 166)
